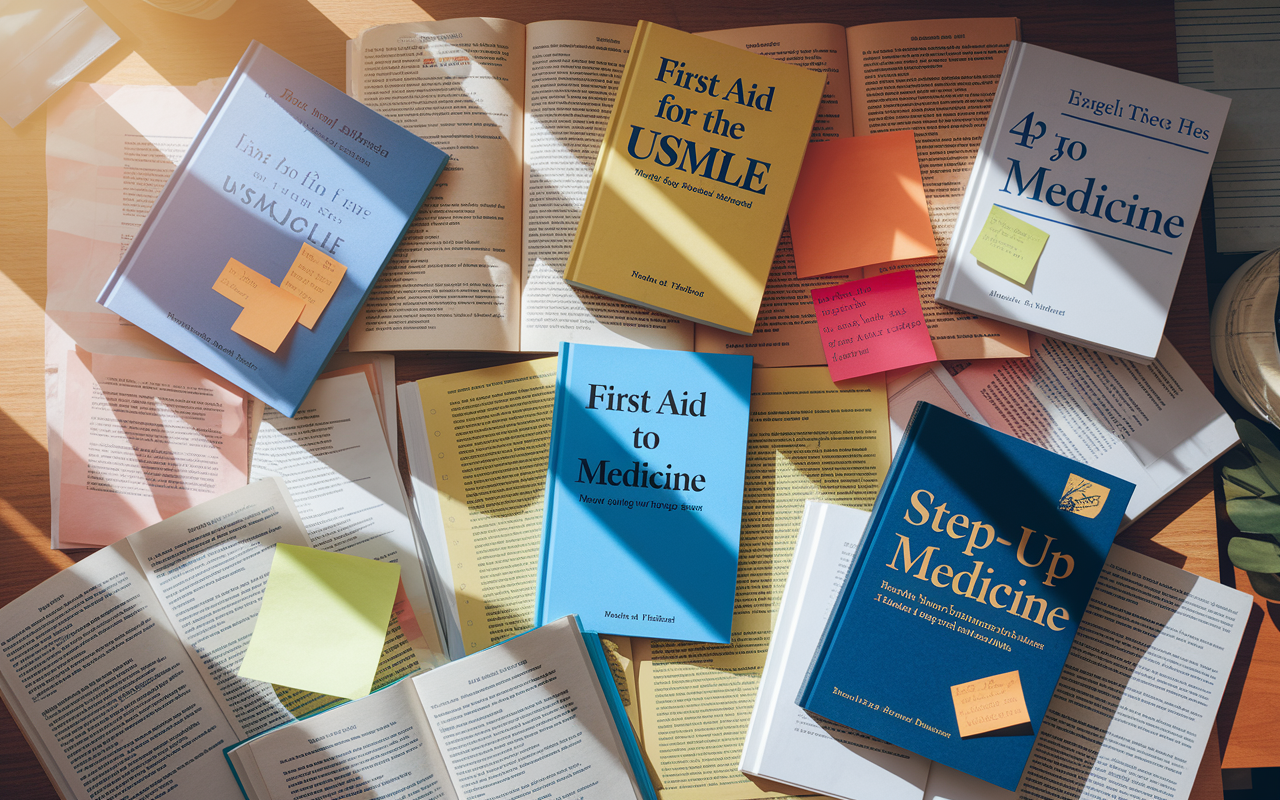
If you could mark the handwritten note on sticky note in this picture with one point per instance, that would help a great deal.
(269, 316)
(1009, 245)
(239, 283)
(322, 623)
(989, 704)
(872, 325)
(314, 277)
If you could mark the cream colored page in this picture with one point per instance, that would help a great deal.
(89, 662)
(378, 746)
(573, 69)
(208, 566)
(937, 78)
(786, 332)
(454, 282)
(338, 471)
(489, 431)
(807, 440)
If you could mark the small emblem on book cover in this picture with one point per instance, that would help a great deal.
(1082, 496)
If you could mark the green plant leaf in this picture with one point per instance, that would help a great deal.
(1254, 555)
(1245, 481)
(1263, 450)
(1255, 514)
(1266, 584)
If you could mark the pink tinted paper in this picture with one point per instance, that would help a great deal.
(144, 439)
(872, 325)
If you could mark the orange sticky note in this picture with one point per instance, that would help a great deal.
(860, 202)
(314, 277)
(989, 704)
(269, 316)
(239, 283)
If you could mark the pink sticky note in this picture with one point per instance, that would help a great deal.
(872, 325)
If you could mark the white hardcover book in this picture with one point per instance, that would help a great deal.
(785, 744)
(1112, 166)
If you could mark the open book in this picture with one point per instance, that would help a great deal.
(477, 450)
(122, 669)
(535, 716)
(523, 110)
(1134, 707)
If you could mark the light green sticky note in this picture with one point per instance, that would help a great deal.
(1009, 245)
(322, 623)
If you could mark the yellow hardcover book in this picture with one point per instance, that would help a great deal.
(694, 177)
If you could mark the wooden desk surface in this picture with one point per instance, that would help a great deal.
(158, 47)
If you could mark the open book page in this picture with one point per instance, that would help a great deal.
(1154, 425)
(786, 331)
(209, 567)
(928, 382)
(534, 706)
(334, 461)
(379, 745)
(454, 281)
(806, 440)
(573, 73)
(937, 78)
(143, 439)
(104, 691)
(478, 445)
(784, 743)
(1135, 706)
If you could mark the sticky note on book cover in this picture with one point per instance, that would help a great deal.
(314, 277)
(1009, 245)
(239, 283)
(989, 704)
(872, 325)
(860, 202)
(268, 316)
(323, 622)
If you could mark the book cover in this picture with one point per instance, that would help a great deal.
(1082, 201)
(693, 178)
(644, 491)
(273, 228)
(960, 607)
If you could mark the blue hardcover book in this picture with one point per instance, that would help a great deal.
(644, 491)
(272, 230)
(953, 625)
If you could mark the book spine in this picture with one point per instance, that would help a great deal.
(553, 461)
(620, 721)
(606, 146)
(179, 173)
(887, 489)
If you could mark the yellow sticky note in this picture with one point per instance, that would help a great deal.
(322, 623)
(314, 277)
(989, 704)
(1009, 245)
(239, 283)
(268, 316)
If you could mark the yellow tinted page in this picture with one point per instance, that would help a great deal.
(807, 440)
(489, 430)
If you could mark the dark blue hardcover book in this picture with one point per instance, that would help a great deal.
(951, 630)
(273, 228)
(644, 491)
